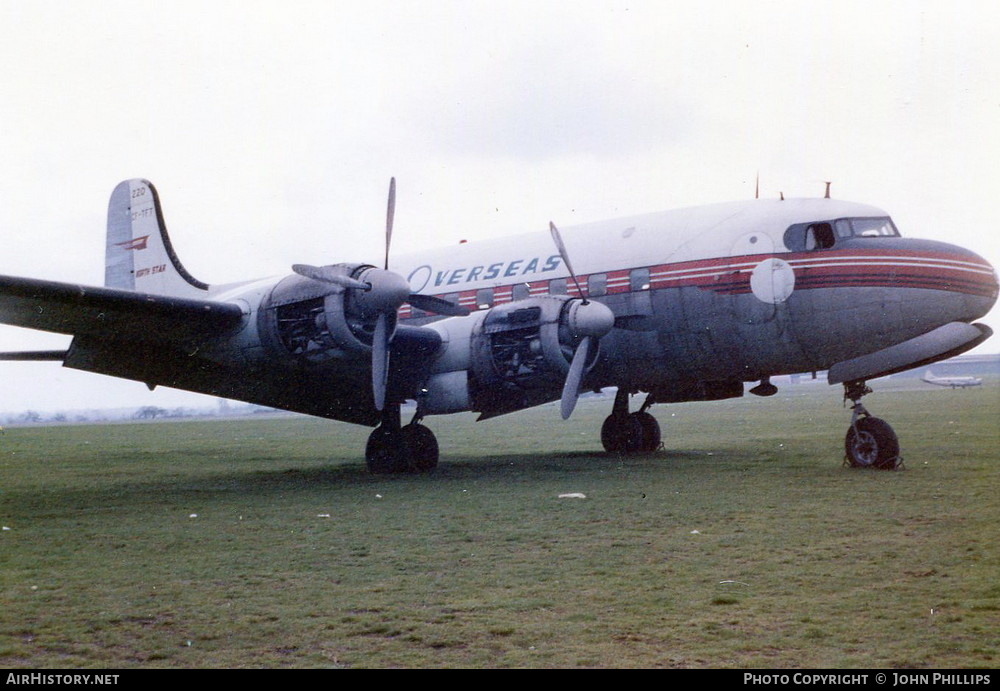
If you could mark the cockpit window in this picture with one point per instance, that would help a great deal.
(810, 236)
(823, 235)
(819, 236)
(873, 227)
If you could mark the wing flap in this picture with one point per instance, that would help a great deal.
(73, 309)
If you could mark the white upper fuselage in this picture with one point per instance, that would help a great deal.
(668, 237)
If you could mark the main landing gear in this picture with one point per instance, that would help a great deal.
(628, 433)
(870, 441)
(393, 448)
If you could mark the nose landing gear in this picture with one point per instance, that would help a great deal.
(870, 441)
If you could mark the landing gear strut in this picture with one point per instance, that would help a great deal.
(393, 448)
(628, 433)
(870, 441)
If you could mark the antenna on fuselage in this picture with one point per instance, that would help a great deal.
(827, 195)
(756, 189)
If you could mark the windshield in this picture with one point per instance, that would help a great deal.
(866, 227)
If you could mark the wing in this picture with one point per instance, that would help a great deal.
(143, 337)
(111, 312)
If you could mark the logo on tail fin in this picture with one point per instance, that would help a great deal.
(136, 244)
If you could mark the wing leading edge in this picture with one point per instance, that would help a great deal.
(113, 313)
(147, 338)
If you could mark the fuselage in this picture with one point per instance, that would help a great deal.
(703, 299)
(735, 291)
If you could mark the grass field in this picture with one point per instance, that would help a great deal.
(264, 542)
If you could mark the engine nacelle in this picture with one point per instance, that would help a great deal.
(519, 345)
(315, 322)
(512, 356)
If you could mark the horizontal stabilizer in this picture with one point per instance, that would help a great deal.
(941, 343)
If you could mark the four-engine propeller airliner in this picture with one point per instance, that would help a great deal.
(683, 305)
(953, 382)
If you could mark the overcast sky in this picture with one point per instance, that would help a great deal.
(271, 128)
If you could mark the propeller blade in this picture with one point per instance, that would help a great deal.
(390, 214)
(560, 247)
(380, 360)
(429, 303)
(557, 239)
(325, 274)
(571, 389)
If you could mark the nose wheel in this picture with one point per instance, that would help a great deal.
(870, 441)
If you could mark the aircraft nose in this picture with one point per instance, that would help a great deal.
(995, 282)
(995, 289)
(983, 282)
(964, 275)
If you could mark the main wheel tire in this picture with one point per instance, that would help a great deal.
(622, 434)
(871, 443)
(386, 452)
(422, 446)
(650, 440)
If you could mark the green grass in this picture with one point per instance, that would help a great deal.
(745, 543)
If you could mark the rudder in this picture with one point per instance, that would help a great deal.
(138, 254)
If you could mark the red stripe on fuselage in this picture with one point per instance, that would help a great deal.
(813, 270)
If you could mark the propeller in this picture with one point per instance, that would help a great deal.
(380, 293)
(326, 274)
(571, 387)
(380, 360)
(428, 303)
(390, 214)
(592, 320)
(557, 239)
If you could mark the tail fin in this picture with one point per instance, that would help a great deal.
(139, 255)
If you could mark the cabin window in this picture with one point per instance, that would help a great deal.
(557, 286)
(597, 285)
(638, 279)
(520, 291)
(451, 297)
(484, 298)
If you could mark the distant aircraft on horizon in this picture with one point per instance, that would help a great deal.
(953, 382)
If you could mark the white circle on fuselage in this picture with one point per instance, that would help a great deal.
(772, 281)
